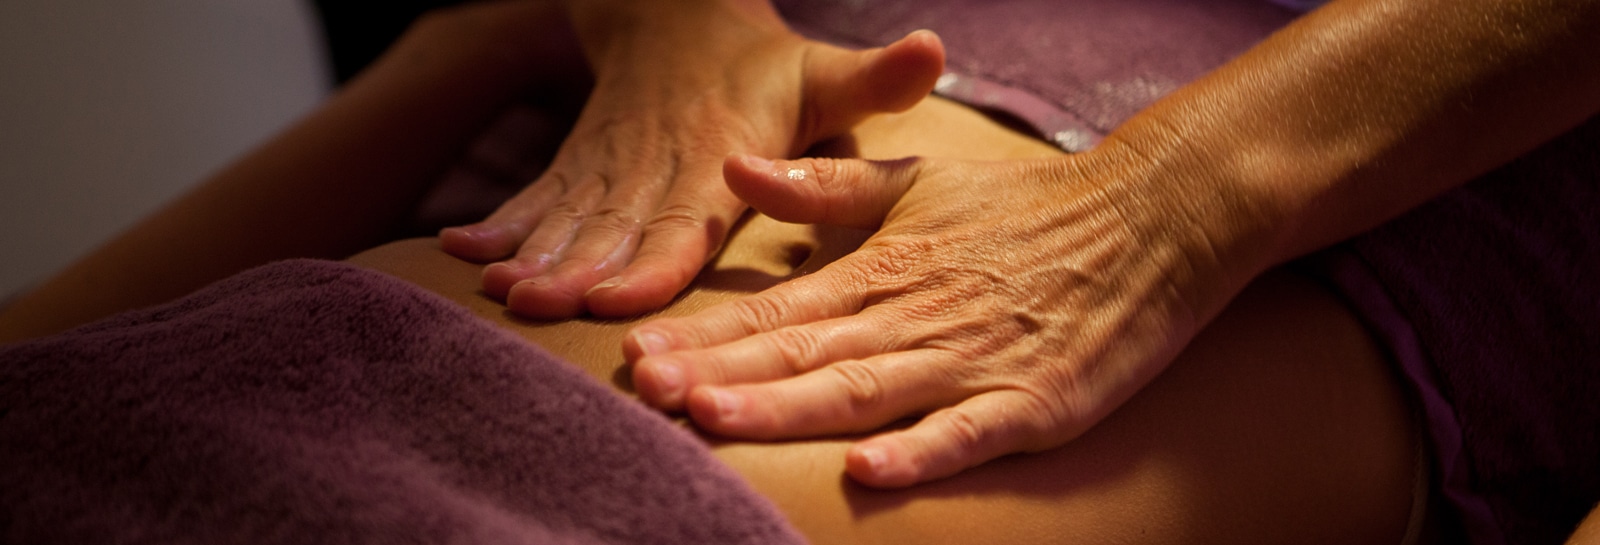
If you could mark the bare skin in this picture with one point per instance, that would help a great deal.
(1017, 303)
(342, 179)
(634, 205)
(1280, 423)
(1588, 532)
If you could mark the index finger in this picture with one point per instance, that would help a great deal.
(829, 293)
(677, 240)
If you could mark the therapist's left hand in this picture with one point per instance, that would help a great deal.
(633, 204)
(1014, 304)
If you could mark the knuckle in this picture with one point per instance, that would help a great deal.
(613, 221)
(966, 433)
(713, 367)
(1063, 388)
(826, 171)
(676, 217)
(555, 180)
(757, 314)
(862, 384)
(800, 348)
(564, 213)
(1043, 420)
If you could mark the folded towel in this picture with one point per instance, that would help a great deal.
(316, 402)
(1500, 280)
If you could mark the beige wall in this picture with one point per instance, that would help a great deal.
(110, 107)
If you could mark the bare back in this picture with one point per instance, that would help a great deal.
(1280, 422)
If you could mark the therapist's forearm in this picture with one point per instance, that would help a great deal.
(620, 34)
(1360, 111)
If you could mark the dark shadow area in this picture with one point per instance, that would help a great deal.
(357, 32)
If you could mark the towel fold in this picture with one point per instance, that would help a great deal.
(1099, 61)
(1500, 279)
(316, 402)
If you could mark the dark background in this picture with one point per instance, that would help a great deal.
(357, 32)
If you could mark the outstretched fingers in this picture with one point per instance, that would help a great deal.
(634, 205)
(841, 88)
(584, 247)
(545, 240)
(832, 292)
(504, 231)
(665, 380)
(674, 244)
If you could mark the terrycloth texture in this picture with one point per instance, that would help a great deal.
(1096, 61)
(1501, 282)
(1300, 5)
(1489, 297)
(315, 402)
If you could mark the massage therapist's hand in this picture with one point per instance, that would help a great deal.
(1015, 304)
(634, 203)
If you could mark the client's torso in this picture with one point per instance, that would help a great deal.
(1185, 461)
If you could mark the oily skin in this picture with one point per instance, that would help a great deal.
(634, 205)
(1234, 444)
(944, 311)
(1017, 303)
(675, 88)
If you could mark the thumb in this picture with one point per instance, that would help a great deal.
(845, 192)
(842, 87)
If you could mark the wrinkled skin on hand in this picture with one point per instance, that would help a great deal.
(634, 203)
(1014, 304)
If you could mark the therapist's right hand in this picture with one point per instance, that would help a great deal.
(1009, 306)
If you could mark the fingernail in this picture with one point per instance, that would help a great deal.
(651, 343)
(727, 403)
(758, 164)
(876, 459)
(669, 381)
(475, 231)
(608, 284)
(514, 268)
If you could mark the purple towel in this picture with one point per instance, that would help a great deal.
(316, 402)
(1500, 281)
(1093, 62)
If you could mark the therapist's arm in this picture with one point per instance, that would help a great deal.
(1017, 304)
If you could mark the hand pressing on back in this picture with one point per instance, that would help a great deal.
(1009, 305)
(634, 203)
